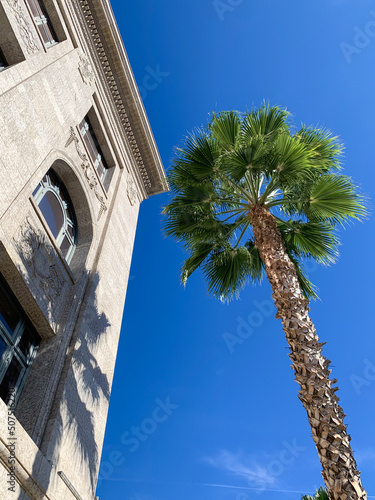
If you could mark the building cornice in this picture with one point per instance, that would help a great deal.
(116, 74)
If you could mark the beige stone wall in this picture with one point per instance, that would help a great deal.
(76, 308)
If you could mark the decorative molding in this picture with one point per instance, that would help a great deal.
(86, 70)
(88, 170)
(23, 26)
(40, 256)
(111, 83)
(131, 190)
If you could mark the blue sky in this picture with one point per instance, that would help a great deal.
(191, 415)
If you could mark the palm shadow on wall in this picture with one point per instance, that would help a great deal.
(86, 377)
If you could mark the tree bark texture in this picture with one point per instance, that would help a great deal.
(317, 393)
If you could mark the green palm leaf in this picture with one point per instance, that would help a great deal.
(227, 271)
(321, 494)
(198, 256)
(251, 156)
(310, 240)
(200, 155)
(327, 149)
(257, 158)
(308, 288)
(334, 199)
(265, 121)
(225, 128)
(292, 158)
(252, 178)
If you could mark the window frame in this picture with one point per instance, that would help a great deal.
(12, 342)
(69, 221)
(93, 148)
(43, 22)
(10, 49)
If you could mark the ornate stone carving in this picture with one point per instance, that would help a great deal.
(40, 256)
(23, 26)
(86, 70)
(132, 190)
(114, 91)
(88, 170)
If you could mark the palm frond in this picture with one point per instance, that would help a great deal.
(326, 149)
(315, 240)
(240, 160)
(225, 128)
(249, 157)
(334, 199)
(257, 265)
(321, 494)
(181, 224)
(265, 121)
(308, 288)
(227, 271)
(198, 255)
(199, 154)
(293, 160)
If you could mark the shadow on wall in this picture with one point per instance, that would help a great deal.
(82, 388)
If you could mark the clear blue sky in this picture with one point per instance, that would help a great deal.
(216, 424)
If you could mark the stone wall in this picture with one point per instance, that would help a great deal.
(76, 308)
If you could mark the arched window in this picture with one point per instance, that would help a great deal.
(57, 209)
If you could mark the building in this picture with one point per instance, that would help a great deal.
(77, 156)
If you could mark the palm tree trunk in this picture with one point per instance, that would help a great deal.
(325, 415)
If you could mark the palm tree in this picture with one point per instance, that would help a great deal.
(253, 195)
(321, 494)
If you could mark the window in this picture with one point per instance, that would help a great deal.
(10, 50)
(3, 62)
(93, 147)
(57, 209)
(42, 22)
(19, 343)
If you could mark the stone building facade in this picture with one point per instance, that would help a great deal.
(77, 156)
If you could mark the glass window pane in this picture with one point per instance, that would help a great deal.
(93, 144)
(93, 148)
(52, 178)
(101, 170)
(83, 126)
(65, 245)
(70, 215)
(50, 33)
(52, 212)
(35, 9)
(10, 379)
(42, 21)
(3, 347)
(88, 142)
(44, 33)
(9, 317)
(13, 351)
(28, 341)
(3, 61)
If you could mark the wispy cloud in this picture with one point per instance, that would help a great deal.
(238, 464)
(205, 485)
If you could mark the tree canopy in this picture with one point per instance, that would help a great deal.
(259, 157)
